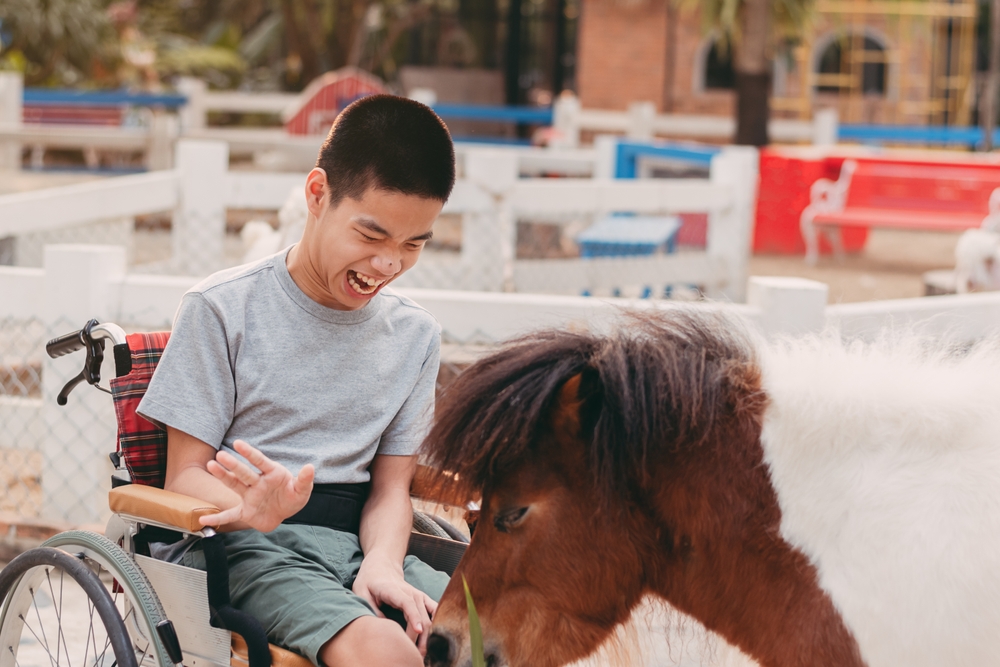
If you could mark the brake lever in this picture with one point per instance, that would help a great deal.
(68, 387)
(91, 372)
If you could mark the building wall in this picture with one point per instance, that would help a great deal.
(626, 46)
(621, 53)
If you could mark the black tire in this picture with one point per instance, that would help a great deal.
(119, 582)
(426, 525)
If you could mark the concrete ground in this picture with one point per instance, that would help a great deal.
(891, 266)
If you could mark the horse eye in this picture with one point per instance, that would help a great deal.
(504, 521)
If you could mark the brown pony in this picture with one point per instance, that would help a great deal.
(617, 466)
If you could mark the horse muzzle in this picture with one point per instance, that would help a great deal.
(444, 651)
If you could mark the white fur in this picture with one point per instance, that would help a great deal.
(886, 462)
(260, 240)
(977, 261)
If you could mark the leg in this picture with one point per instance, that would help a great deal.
(371, 641)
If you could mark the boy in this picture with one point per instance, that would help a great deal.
(328, 375)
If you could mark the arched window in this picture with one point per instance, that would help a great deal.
(719, 73)
(836, 69)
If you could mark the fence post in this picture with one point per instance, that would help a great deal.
(199, 225)
(162, 132)
(826, 124)
(193, 113)
(606, 160)
(641, 116)
(566, 121)
(789, 306)
(496, 172)
(11, 110)
(80, 283)
(730, 229)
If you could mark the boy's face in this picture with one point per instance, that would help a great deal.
(353, 249)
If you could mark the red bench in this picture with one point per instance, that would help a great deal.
(930, 196)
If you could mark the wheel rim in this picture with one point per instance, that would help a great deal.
(49, 620)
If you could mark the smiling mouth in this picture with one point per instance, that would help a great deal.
(363, 284)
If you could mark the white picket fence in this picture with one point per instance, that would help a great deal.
(491, 198)
(276, 147)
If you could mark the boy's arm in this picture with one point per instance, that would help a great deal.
(247, 498)
(386, 521)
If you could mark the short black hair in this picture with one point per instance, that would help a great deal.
(389, 143)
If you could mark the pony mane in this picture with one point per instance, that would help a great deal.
(657, 378)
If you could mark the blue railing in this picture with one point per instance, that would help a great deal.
(914, 134)
(533, 115)
(628, 153)
(111, 98)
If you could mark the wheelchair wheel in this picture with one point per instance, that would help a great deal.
(80, 601)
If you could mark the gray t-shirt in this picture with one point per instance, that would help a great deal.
(252, 357)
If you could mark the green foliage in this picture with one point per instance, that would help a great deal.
(59, 42)
(475, 631)
(220, 66)
(789, 18)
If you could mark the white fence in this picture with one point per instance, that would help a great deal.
(491, 199)
(278, 149)
(81, 282)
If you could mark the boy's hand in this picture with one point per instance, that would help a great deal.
(381, 583)
(267, 497)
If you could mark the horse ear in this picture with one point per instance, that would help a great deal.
(580, 399)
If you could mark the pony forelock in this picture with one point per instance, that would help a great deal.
(664, 379)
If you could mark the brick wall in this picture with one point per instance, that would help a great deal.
(623, 56)
(621, 53)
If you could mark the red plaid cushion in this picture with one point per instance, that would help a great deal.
(142, 444)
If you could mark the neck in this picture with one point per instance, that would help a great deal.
(727, 565)
(307, 278)
(770, 605)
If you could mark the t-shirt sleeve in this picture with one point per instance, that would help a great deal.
(413, 421)
(193, 388)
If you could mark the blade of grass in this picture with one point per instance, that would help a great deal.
(475, 631)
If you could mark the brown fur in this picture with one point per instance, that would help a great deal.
(638, 455)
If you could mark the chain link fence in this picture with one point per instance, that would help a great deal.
(21, 464)
(54, 465)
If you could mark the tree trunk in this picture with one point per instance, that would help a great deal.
(988, 103)
(753, 73)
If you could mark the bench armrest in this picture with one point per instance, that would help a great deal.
(160, 506)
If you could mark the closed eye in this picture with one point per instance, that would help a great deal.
(508, 519)
(367, 238)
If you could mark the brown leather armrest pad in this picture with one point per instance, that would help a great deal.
(165, 507)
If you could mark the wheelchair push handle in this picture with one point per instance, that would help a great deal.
(91, 338)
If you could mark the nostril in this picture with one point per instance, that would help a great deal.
(438, 651)
(491, 660)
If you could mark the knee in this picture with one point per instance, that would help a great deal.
(371, 641)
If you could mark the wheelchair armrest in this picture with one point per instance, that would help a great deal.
(159, 506)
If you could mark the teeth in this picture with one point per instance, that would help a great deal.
(363, 284)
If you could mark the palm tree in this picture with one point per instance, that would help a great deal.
(753, 27)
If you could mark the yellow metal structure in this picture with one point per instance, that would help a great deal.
(928, 49)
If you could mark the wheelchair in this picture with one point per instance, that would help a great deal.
(83, 599)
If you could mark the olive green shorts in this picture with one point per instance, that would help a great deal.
(296, 580)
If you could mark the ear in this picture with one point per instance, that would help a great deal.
(317, 194)
(579, 405)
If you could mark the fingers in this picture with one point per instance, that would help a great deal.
(231, 515)
(304, 480)
(254, 456)
(229, 479)
(425, 614)
(237, 468)
(418, 623)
